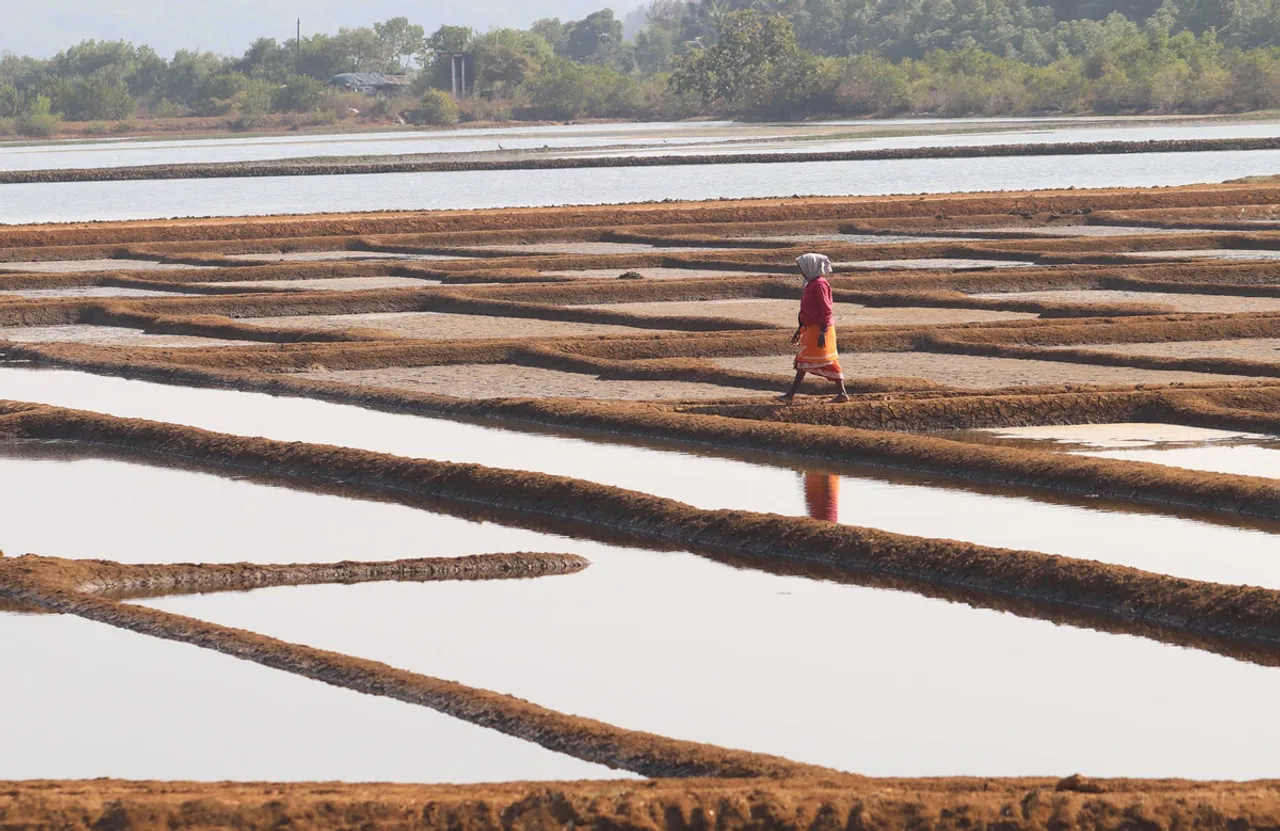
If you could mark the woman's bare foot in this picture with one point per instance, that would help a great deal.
(842, 398)
(786, 399)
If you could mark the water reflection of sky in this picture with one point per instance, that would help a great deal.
(88, 201)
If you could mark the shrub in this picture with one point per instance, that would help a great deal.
(38, 121)
(97, 128)
(301, 94)
(437, 107)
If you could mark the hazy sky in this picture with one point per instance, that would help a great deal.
(43, 27)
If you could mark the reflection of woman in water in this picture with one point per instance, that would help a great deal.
(822, 495)
(815, 339)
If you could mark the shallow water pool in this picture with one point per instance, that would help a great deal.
(868, 497)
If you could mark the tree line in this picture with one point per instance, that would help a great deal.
(739, 58)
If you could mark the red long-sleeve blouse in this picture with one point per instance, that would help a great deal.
(815, 304)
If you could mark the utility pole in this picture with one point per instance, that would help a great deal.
(297, 48)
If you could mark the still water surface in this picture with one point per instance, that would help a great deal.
(89, 201)
(868, 680)
(1164, 544)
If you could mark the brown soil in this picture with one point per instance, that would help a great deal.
(325, 256)
(63, 266)
(975, 372)
(1237, 620)
(330, 284)
(81, 291)
(783, 312)
(847, 209)
(505, 338)
(431, 325)
(1046, 804)
(648, 272)
(106, 336)
(1181, 302)
(926, 263)
(44, 584)
(506, 381)
(1248, 349)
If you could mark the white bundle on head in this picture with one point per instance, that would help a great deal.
(813, 266)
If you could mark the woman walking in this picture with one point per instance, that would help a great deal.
(815, 339)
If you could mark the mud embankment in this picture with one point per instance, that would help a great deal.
(129, 581)
(592, 741)
(1247, 617)
(886, 405)
(941, 804)
(932, 210)
(346, 167)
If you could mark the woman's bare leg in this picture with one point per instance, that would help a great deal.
(790, 394)
(842, 395)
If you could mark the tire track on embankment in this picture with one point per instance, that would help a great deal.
(229, 170)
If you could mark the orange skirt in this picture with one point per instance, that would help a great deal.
(823, 361)
(822, 496)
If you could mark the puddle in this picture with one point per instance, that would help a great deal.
(100, 702)
(878, 682)
(1165, 544)
(1194, 448)
(589, 644)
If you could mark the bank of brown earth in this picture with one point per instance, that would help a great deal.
(847, 209)
(645, 753)
(943, 804)
(1247, 617)
(1154, 485)
(120, 580)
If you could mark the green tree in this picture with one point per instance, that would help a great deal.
(268, 59)
(400, 39)
(596, 39)
(506, 58)
(739, 71)
(95, 98)
(553, 32)
(566, 90)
